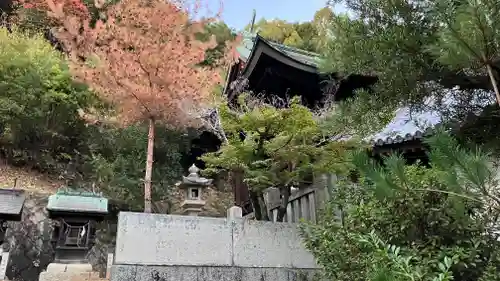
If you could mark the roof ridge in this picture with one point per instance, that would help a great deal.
(253, 36)
(295, 49)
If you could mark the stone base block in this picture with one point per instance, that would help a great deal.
(210, 273)
(68, 272)
(65, 267)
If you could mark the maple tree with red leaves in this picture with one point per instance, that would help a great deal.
(144, 59)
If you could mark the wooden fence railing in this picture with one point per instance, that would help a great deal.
(303, 203)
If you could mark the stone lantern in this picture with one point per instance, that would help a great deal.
(193, 186)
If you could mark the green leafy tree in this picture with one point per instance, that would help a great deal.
(274, 30)
(274, 147)
(286, 33)
(39, 103)
(294, 39)
(223, 34)
(412, 222)
(112, 167)
(309, 36)
(307, 32)
(321, 21)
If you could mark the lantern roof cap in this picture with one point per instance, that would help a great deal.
(194, 179)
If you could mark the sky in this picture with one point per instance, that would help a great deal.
(238, 13)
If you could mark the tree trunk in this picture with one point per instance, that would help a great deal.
(259, 205)
(263, 207)
(285, 196)
(149, 166)
(257, 209)
(493, 82)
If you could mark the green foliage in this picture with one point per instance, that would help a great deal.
(307, 36)
(279, 147)
(276, 147)
(411, 222)
(358, 117)
(112, 163)
(417, 50)
(469, 37)
(482, 129)
(223, 34)
(397, 266)
(39, 102)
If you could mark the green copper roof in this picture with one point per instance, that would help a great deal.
(78, 202)
(305, 57)
(248, 42)
(246, 46)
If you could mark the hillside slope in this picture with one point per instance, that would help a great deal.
(27, 179)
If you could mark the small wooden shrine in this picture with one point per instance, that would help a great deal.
(11, 208)
(75, 215)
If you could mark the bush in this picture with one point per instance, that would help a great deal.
(39, 103)
(412, 222)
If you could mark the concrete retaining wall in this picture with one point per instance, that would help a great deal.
(208, 273)
(154, 247)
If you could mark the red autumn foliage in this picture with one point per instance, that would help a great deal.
(142, 59)
(70, 7)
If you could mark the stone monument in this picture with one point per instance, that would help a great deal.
(75, 215)
(193, 186)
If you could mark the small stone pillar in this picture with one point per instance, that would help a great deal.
(3, 264)
(193, 186)
(110, 261)
(234, 213)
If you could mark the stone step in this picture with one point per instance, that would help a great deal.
(68, 276)
(69, 272)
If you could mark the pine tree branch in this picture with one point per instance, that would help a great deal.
(452, 193)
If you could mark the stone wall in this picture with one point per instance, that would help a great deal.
(154, 247)
(28, 241)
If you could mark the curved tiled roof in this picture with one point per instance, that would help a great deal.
(417, 135)
(249, 40)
